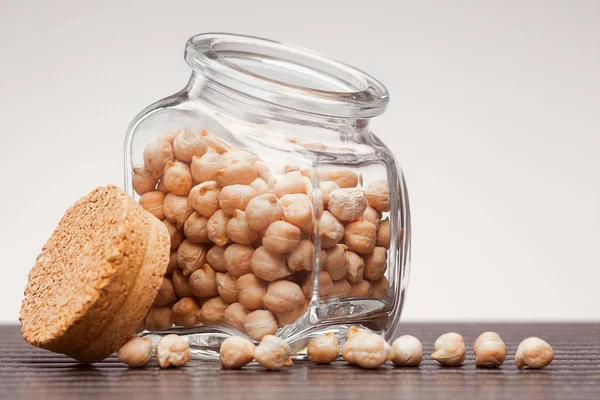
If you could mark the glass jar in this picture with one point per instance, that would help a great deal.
(287, 214)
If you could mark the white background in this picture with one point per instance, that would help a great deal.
(494, 118)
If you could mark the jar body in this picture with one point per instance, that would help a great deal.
(281, 222)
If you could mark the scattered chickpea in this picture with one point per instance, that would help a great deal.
(236, 172)
(188, 144)
(287, 317)
(335, 262)
(238, 229)
(235, 315)
(326, 188)
(298, 210)
(236, 352)
(356, 266)
(260, 323)
(290, 183)
(186, 313)
(380, 289)
(204, 169)
(190, 256)
(365, 349)
(449, 350)
(375, 264)
(251, 291)
(273, 353)
(172, 263)
(136, 352)
(215, 259)
(156, 155)
(281, 237)
(344, 178)
(153, 202)
(226, 286)
(166, 294)
(213, 311)
(203, 282)
(489, 350)
(383, 234)
(283, 296)
(177, 209)
(360, 236)
(177, 178)
(534, 353)
(159, 319)
(204, 198)
(174, 234)
(260, 186)
(347, 204)
(262, 210)
(172, 351)
(378, 195)
(195, 228)
(143, 181)
(340, 289)
(181, 284)
(236, 197)
(407, 351)
(302, 257)
(331, 231)
(323, 349)
(325, 285)
(361, 289)
(238, 259)
(216, 228)
(269, 266)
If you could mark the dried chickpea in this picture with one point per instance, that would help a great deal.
(236, 172)
(235, 315)
(213, 311)
(169, 135)
(143, 181)
(263, 171)
(380, 289)
(489, 350)
(153, 202)
(177, 209)
(205, 168)
(214, 258)
(449, 350)
(236, 197)
(407, 351)
(360, 236)
(281, 237)
(289, 183)
(161, 187)
(172, 263)
(204, 198)
(136, 352)
(347, 204)
(361, 289)
(260, 323)
(174, 234)
(203, 282)
(260, 186)
(302, 257)
(335, 262)
(367, 350)
(534, 353)
(262, 210)
(273, 353)
(288, 317)
(340, 289)
(166, 294)
(353, 335)
(236, 352)
(188, 144)
(250, 291)
(226, 286)
(159, 319)
(331, 231)
(378, 195)
(214, 143)
(283, 296)
(156, 155)
(181, 284)
(325, 285)
(195, 228)
(372, 215)
(383, 234)
(238, 229)
(172, 351)
(239, 156)
(344, 178)
(177, 178)
(326, 187)
(186, 313)
(238, 259)
(323, 349)
(216, 228)
(375, 264)
(190, 256)
(356, 266)
(269, 266)
(298, 210)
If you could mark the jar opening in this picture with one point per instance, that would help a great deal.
(286, 75)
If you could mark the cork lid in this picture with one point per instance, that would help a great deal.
(96, 277)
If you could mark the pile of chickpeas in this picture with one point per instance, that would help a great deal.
(243, 236)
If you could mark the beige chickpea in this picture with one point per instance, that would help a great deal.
(449, 350)
(361, 289)
(260, 186)
(214, 143)
(353, 335)
(226, 286)
(383, 234)
(166, 294)
(190, 256)
(175, 236)
(335, 262)
(172, 351)
(213, 311)
(372, 215)
(203, 282)
(238, 259)
(236, 197)
(323, 349)
(343, 178)
(289, 183)
(186, 313)
(489, 350)
(356, 266)
(407, 351)
(235, 172)
(281, 237)
(283, 296)
(136, 352)
(215, 259)
(216, 228)
(236, 352)
(177, 178)
(302, 257)
(534, 353)
(161, 187)
(159, 319)
(378, 195)
(205, 168)
(375, 264)
(260, 323)
(380, 289)
(331, 231)
(172, 263)
(360, 236)
(188, 144)
(238, 229)
(288, 317)
(367, 350)
(298, 210)
(273, 353)
(240, 156)
(169, 135)
(181, 284)
(269, 266)
(347, 204)
(340, 289)
(153, 202)
(250, 291)
(156, 155)
(195, 228)
(143, 181)
(262, 210)
(177, 209)
(325, 285)
(235, 315)
(326, 187)
(263, 171)
(204, 198)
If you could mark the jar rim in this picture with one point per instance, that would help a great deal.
(286, 75)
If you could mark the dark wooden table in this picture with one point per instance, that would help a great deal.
(27, 372)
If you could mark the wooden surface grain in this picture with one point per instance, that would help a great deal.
(30, 373)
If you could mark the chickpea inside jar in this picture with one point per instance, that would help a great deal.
(287, 215)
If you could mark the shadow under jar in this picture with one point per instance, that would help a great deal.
(287, 215)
